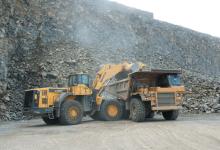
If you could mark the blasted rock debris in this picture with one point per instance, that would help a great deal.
(202, 95)
(42, 42)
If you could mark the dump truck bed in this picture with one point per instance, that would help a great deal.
(119, 89)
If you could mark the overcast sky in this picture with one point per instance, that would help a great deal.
(199, 15)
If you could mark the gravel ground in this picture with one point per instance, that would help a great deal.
(188, 132)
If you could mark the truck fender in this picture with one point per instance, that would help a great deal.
(59, 102)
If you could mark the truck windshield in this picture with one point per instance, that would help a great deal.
(174, 80)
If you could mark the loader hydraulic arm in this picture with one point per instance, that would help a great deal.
(108, 71)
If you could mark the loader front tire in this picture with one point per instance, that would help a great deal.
(137, 110)
(111, 110)
(71, 112)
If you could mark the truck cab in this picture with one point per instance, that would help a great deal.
(163, 88)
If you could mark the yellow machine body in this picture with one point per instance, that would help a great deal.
(46, 97)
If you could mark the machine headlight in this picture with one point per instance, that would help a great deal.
(35, 96)
(178, 95)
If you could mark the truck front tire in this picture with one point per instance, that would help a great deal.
(71, 112)
(137, 110)
(170, 115)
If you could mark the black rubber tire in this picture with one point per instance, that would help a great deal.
(65, 119)
(149, 112)
(104, 114)
(50, 121)
(126, 113)
(150, 115)
(137, 110)
(170, 115)
(96, 116)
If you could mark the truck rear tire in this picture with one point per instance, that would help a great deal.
(111, 110)
(49, 121)
(170, 115)
(71, 112)
(137, 110)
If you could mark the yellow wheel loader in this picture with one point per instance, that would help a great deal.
(61, 105)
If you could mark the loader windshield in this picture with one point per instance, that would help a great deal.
(79, 79)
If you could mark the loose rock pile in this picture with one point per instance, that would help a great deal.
(202, 95)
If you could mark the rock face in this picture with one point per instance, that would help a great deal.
(42, 42)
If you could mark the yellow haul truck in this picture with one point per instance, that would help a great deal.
(146, 92)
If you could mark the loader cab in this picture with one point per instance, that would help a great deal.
(76, 79)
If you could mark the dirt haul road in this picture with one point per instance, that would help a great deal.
(188, 132)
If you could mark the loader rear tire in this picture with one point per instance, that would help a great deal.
(137, 110)
(71, 112)
(170, 115)
(50, 121)
(111, 110)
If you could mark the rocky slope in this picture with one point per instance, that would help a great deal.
(42, 41)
